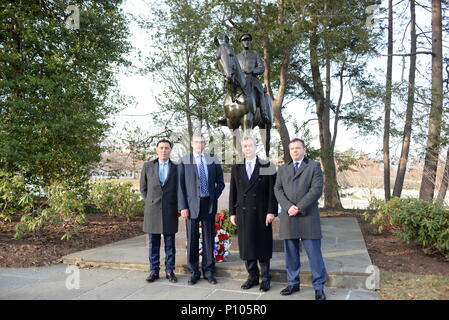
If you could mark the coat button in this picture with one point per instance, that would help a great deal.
(244, 208)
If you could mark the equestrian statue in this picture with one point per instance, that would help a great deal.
(246, 103)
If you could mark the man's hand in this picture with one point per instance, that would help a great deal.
(269, 219)
(185, 214)
(293, 211)
(234, 220)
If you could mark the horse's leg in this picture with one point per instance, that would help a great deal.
(267, 139)
(234, 153)
(264, 130)
(237, 141)
(247, 123)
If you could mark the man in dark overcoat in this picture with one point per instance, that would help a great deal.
(158, 186)
(253, 206)
(299, 185)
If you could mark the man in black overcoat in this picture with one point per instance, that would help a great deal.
(253, 206)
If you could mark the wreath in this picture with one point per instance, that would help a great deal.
(222, 240)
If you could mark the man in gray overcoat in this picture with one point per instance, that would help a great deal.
(158, 186)
(299, 185)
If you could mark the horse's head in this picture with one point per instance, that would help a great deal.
(226, 59)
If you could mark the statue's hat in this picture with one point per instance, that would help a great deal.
(245, 36)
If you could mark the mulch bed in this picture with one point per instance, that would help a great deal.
(388, 252)
(45, 247)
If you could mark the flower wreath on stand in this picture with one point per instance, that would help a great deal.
(222, 240)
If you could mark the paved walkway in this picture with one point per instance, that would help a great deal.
(345, 255)
(100, 283)
(120, 269)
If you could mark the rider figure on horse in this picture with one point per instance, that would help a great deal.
(251, 63)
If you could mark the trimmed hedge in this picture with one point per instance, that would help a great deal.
(426, 222)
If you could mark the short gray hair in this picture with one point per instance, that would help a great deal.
(250, 138)
(198, 135)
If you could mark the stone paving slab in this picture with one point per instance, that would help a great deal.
(344, 250)
(103, 283)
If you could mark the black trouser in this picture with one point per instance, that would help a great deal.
(208, 229)
(253, 270)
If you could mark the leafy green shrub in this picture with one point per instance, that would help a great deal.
(15, 197)
(65, 205)
(382, 217)
(116, 199)
(425, 222)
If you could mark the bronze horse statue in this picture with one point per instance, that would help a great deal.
(240, 105)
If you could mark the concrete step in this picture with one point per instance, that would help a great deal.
(181, 242)
(345, 255)
(182, 225)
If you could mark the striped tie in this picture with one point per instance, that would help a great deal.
(203, 178)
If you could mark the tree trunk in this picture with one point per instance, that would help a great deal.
(187, 102)
(402, 166)
(331, 196)
(279, 120)
(277, 101)
(427, 189)
(386, 139)
(444, 179)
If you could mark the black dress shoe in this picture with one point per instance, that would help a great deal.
(153, 276)
(193, 280)
(289, 290)
(248, 284)
(211, 279)
(319, 295)
(265, 286)
(171, 277)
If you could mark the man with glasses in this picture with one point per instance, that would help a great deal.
(200, 184)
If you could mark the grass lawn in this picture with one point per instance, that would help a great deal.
(409, 286)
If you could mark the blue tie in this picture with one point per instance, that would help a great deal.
(295, 168)
(203, 179)
(162, 173)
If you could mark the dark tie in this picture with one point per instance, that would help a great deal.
(295, 168)
(203, 179)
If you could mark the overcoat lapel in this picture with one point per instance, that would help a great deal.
(171, 171)
(210, 168)
(244, 180)
(254, 176)
(155, 170)
(301, 168)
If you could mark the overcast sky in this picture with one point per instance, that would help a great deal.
(143, 90)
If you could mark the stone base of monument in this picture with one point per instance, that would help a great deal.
(278, 245)
(345, 255)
